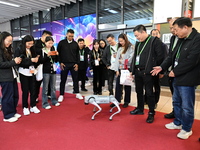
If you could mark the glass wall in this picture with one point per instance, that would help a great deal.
(111, 15)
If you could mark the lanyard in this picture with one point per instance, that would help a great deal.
(51, 60)
(82, 52)
(178, 53)
(139, 53)
(95, 57)
(112, 50)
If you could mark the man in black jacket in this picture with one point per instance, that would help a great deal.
(83, 65)
(108, 59)
(69, 59)
(40, 44)
(148, 54)
(185, 61)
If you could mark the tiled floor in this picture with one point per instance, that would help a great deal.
(164, 105)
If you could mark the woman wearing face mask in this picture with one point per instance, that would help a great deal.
(27, 73)
(96, 65)
(8, 75)
(49, 57)
(123, 61)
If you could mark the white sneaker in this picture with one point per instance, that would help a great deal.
(79, 96)
(87, 83)
(70, 83)
(34, 110)
(12, 119)
(17, 115)
(57, 104)
(184, 135)
(172, 126)
(60, 98)
(48, 107)
(26, 111)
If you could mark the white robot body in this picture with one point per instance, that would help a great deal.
(96, 100)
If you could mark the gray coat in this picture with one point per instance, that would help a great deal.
(128, 55)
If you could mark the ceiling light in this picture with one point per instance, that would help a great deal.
(137, 11)
(113, 11)
(10, 4)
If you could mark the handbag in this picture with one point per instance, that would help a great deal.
(125, 78)
(39, 74)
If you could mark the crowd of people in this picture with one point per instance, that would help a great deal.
(148, 60)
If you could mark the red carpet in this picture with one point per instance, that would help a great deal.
(69, 127)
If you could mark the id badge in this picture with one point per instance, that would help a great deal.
(137, 60)
(96, 62)
(32, 69)
(54, 67)
(115, 55)
(175, 63)
(81, 58)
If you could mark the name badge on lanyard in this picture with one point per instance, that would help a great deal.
(81, 57)
(137, 60)
(175, 63)
(96, 62)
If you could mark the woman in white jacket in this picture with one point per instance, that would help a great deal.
(123, 61)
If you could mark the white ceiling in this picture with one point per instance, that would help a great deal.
(27, 7)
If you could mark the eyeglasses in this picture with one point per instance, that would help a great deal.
(8, 41)
(102, 43)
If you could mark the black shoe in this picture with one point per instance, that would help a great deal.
(170, 115)
(150, 118)
(112, 105)
(100, 93)
(136, 111)
(95, 93)
(125, 105)
(156, 105)
(85, 90)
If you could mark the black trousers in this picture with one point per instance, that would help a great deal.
(10, 97)
(97, 78)
(119, 89)
(64, 73)
(28, 86)
(111, 75)
(144, 82)
(104, 76)
(37, 88)
(82, 77)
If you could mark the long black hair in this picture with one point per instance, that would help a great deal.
(127, 43)
(27, 38)
(47, 39)
(94, 42)
(6, 50)
(100, 44)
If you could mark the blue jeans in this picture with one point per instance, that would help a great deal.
(49, 78)
(10, 97)
(183, 103)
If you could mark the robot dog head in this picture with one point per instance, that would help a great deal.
(89, 99)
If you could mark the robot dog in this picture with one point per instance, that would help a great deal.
(96, 100)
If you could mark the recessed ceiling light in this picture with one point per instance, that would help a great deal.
(137, 11)
(10, 4)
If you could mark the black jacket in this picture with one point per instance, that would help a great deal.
(26, 62)
(84, 64)
(107, 56)
(6, 74)
(46, 61)
(68, 52)
(92, 58)
(38, 46)
(154, 55)
(187, 72)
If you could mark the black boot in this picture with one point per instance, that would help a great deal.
(150, 118)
